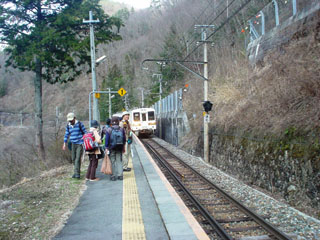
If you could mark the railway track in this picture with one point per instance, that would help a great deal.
(219, 213)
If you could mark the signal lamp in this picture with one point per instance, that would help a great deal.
(207, 105)
(186, 86)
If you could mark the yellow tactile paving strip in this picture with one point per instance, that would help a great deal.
(132, 223)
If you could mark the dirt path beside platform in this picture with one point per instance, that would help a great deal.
(38, 208)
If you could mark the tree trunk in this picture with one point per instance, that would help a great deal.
(38, 110)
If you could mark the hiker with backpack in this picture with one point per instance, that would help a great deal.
(91, 144)
(104, 131)
(74, 132)
(127, 129)
(115, 146)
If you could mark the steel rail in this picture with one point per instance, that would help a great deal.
(264, 224)
(213, 223)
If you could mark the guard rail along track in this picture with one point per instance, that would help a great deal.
(221, 214)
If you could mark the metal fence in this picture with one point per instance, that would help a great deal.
(276, 13)
(170, 104)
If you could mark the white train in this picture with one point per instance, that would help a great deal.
(143, 121)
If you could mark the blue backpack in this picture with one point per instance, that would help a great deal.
(116, 139)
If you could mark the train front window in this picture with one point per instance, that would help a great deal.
(136, 116)
(150, 116)
(144, 117)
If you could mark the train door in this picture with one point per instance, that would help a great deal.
(144, 122)
(144, 117)
(136, 117)
(135, 121)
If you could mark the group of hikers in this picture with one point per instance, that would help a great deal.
(111, 142)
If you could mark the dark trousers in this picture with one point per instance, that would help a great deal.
(76, 153)
(116, 162)
(91, 173)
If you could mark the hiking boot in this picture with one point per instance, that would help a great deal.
(76, 176)
(94, 180)
(120, 178)
(127, 169)
(113, 178)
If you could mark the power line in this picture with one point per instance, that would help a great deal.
(221, 25)
(196, 19)
(228, 19)
(222, 11)
(193, 36)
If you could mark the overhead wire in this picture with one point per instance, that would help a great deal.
(196, 19)
(192, 25)
(194, 22)
(222, 24)
(193, 36)
(228, 19)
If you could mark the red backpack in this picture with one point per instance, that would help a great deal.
(89, 142)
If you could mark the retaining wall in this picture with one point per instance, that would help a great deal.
(278, 165)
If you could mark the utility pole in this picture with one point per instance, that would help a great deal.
(110, 116)
(205, 90)
(160, 105)
(21, 119)
(187, 48)
(57, 118)
(160, 91)
(93, 65)
(142, 97)
(126, 101)
(227, 8)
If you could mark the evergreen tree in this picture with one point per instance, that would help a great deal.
(173, 50)
(49, 38)
(114, 81)
(123, 14)
(129, 75)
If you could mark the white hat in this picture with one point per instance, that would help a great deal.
(70, 116)
(125, 113)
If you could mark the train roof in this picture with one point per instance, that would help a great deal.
(142, 109)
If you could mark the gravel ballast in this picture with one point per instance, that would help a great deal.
(289, 220)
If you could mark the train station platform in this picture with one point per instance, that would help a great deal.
(142, 206)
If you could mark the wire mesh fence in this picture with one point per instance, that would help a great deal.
(170, 104)
(276, 13)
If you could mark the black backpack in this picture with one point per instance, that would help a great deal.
(116, 139)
